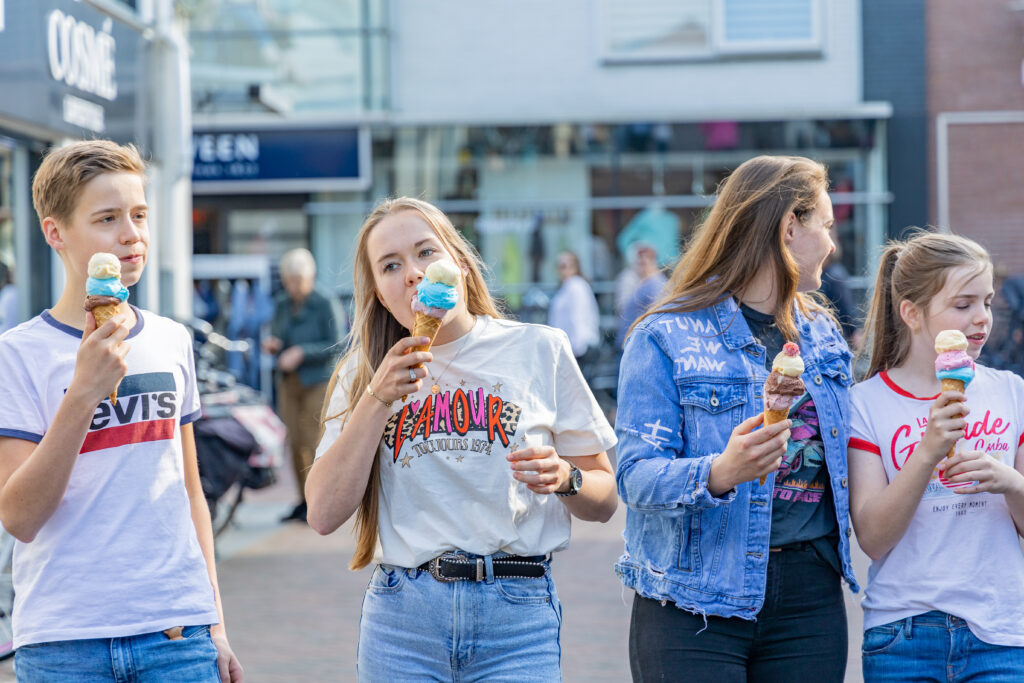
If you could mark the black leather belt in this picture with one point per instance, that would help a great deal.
(455, 567)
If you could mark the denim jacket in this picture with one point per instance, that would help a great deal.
(686, 380)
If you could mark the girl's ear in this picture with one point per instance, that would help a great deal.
(789, 227)
(912, 315)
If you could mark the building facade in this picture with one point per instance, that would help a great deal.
(976, 112)
(82, 69)
(583, 125)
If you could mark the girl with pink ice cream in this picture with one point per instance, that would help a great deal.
(929, 514)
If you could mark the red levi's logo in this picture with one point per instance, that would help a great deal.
(146, 410)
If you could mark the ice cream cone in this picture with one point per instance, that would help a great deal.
(103, 313)
(772, 417)
(425, 326)
(950, 384)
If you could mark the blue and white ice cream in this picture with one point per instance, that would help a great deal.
(105, 277)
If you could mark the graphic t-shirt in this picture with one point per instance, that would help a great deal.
(120, 555)
(960, 553)
(445, 482)
(803, 508)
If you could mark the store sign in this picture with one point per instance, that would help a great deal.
(305, 160)
(71, 68)
(81, 56)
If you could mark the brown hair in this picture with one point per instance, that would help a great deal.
(741, 232)
(375, 331)
(65, 171)
(913, 270)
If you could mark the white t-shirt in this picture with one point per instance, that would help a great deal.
(120, 555)
(445, 482)
(573, 310)
(960, 554)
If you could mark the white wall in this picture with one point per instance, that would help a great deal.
(508, 60)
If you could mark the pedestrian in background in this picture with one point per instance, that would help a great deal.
(114, 575)
(738, 580)
(303, 333)
(650, 283)
(465, 463)
(573, 307)
(946, 584)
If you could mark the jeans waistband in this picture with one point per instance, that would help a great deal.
(937, 618)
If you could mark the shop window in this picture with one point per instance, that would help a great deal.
(656, 30)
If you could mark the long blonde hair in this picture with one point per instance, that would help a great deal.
(913, 270)
(375, 331)
(742, 232)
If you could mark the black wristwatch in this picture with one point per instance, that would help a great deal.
(575, 481)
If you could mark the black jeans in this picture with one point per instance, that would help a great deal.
(800, 633)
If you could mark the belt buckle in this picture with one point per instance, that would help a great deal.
(434, 567)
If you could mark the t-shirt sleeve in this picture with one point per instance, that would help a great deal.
(190, 405)
(334, 420)
(580, 427)
(862, 436)
(21, 415)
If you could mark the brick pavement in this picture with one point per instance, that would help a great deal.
(293, 605)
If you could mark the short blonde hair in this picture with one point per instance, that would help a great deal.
(65, 172)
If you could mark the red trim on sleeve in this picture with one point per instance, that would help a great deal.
(863, 445)
(1020, 441)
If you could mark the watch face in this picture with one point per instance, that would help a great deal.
(577, 479)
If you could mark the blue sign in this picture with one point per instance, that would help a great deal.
(305, 160)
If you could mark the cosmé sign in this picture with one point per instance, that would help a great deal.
(80, 56)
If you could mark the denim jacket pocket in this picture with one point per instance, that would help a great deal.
(706, 413)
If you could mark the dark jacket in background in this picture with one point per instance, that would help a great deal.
(316, 327)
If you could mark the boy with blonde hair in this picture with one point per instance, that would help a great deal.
(114, 573)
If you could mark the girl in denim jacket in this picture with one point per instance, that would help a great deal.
(737, 580)
(937, 477)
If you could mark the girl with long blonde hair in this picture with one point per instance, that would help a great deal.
(463, 464)
(737, 534)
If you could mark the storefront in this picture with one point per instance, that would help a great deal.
(523, 193)
(250, 189)
(74, 70)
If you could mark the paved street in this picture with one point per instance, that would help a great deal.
(293, 605)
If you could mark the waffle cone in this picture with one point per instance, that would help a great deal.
(103, 313)
(425, 326)
(772, 417)
(950, 384)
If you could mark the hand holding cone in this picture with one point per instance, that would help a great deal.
(104, 292)
(953, 367)
(783, 386)
(436, 294)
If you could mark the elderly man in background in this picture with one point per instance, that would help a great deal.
(304, 333)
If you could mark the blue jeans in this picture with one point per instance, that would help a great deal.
(936, 647)
(146, 658)
(416, 628)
